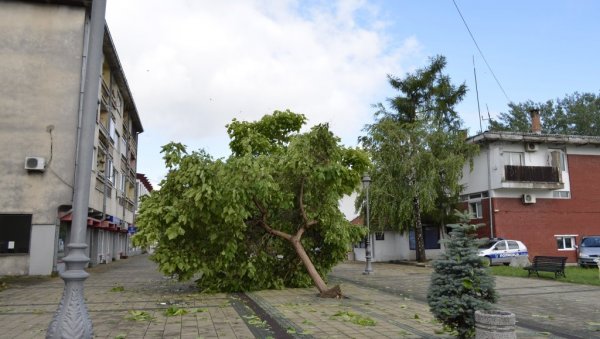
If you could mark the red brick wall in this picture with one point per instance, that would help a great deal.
(536, 224)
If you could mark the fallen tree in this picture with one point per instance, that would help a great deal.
(266, 217)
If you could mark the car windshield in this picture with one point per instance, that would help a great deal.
(487, 244)
(591, 242)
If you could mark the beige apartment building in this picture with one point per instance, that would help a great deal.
(43, 48)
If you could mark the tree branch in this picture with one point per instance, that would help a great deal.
(307, 224)
(265, 225)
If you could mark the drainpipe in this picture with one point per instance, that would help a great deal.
(490, 208)
(56, 237)
(71, 319)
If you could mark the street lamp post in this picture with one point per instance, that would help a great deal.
(71, 319)
(366, 180)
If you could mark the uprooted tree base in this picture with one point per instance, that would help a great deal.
(334, 292)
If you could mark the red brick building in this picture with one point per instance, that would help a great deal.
(544, 189)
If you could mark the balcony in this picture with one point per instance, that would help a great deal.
(536, 177)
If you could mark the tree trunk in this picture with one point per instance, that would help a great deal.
(334, 292)
(420, 242)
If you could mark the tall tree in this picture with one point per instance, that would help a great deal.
(575, 114)
(418, 150)
(266, 217)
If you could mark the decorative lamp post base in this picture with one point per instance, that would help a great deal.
(71, 319)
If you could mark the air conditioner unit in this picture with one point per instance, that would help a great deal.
(531, 147)
(35, 164)
(528, 199)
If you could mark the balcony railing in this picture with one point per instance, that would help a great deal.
(546, 174)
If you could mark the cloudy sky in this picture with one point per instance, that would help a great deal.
(193, 65)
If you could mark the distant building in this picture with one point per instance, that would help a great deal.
(144, 187)
(43, 66)
(396, 246)
(541, 189)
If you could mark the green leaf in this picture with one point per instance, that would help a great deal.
(354, 318)
(175, 311)
(139, 316)
(117, 288)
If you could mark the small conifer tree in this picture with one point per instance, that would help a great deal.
(460, 283)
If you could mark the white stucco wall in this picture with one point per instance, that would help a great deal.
(41, 251)
(41, 47)
(14, 264)
(395, 246)
(477, 179)
(42, 56)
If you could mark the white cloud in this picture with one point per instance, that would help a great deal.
(194, 65)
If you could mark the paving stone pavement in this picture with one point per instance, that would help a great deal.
(542, 306)
(393, 298)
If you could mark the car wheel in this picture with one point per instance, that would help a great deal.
(487, 261)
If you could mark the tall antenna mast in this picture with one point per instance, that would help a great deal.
(477, 92)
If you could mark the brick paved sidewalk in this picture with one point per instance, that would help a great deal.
(543, 307)
(133, 284)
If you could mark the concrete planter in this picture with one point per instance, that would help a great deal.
(495, 324)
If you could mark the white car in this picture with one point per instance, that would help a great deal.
(499, 250)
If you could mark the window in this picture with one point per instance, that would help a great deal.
(474, 196)
(379, 236)
(513, 158)
(123, 181)
(362, 243)
(476, 210)
(111, 129)
(501, 246)
(512, 245)
(118, 142)
(109, 171)
(557, 159)
(561, 194)
(565, 242)
(118, 178)
(431, 235)
(123, 147)
(15, 233)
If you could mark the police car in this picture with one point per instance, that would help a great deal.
(500, 251)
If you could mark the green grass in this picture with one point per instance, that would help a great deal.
(575, 274)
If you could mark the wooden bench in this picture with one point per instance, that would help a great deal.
(547, 264)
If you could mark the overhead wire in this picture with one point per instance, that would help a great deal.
(480, 52)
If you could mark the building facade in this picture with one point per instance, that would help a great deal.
(541, 189)
(396, 246)
(43, 47)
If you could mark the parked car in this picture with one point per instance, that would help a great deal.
(500, 251)
(589, 250)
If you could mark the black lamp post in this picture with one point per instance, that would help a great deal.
(366, 180)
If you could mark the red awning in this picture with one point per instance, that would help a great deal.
(90, 221)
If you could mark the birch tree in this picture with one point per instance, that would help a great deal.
(418, 150)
